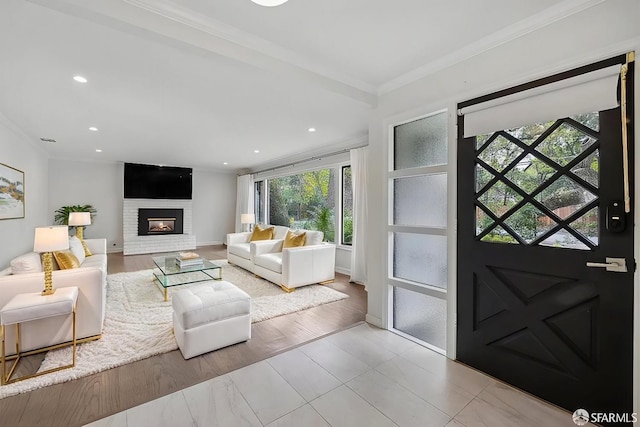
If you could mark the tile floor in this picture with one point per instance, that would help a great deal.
(362, 376)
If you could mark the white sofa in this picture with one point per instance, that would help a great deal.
(90, 278)
(288, 268)
(239, 249)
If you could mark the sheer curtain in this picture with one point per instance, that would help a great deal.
(359, 164)
(244, 201)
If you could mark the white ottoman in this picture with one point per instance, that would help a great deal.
(210, 316)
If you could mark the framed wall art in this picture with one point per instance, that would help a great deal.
(11, 192)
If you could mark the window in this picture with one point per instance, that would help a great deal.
(347, 206)
(314, 200)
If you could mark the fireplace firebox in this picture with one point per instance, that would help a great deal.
(153, 222)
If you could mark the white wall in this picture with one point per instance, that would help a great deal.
(214, 206)
(597, 33)
(90, 183)
(19, 152)
(101, 185)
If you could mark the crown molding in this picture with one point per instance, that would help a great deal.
(214, 27)
(514, 31)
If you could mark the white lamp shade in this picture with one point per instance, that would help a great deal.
(49, 239)
(269, 3)
(247, 218)
(79, 218)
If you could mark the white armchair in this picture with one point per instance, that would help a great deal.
(291, 268)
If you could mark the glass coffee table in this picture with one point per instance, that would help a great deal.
(168, 272)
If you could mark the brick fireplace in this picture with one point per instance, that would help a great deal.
(166, 226)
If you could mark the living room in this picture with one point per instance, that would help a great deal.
(144, 94)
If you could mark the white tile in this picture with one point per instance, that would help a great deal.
(502, 406)
(167, 411)
(363, 349)
(338, 362)
(303, 374)
(442, 394)
(344, 408)
(467, 378)
(386, 339)
(396, 402)
(116, 420)
(305, 416)
(218, 402)
(268, 394)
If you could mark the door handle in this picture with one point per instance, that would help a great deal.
(613, 264)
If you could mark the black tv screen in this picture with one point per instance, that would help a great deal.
(156, 182)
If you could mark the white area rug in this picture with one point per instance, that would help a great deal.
(138, 322)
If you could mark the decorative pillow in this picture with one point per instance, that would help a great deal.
(87, 252)
(314, 237)
(66, 259)
(27, 263)
(75, 245)
(294, 239)
(260, 233)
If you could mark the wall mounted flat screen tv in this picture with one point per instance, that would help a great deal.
(156, 182)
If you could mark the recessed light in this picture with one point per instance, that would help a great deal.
(98, 151)
(80, 79)
(93, 129)
(269, 3)
(312, 129)
(256, 151)
(225, 163)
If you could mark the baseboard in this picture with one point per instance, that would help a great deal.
(114, 250)
(375, 321)
(215, 242)
(345, 271)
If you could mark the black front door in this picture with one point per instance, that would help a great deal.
(533, 210)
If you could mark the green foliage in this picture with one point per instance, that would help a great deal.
(62, 214)
(347, 227)
(278, 214)
(323, 221)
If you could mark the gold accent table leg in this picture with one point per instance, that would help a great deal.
(166, 295)
(4, 359)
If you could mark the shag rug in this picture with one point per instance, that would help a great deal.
(138, 322)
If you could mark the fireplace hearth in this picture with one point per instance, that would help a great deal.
(152, 222)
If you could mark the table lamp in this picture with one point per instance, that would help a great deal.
(248, 218)
(47, 240)
(79, 220)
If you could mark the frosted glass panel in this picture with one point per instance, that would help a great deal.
(421, 316)
(420, 258)
(421, 143)
(420, 201)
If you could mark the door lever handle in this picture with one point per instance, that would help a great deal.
(613, 264)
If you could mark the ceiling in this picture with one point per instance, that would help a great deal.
(201, 83)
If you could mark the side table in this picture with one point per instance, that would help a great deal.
(33, 306)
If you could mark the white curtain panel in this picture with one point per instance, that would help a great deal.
(360, 177)
(244, 201)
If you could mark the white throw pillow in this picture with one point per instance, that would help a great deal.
(314, 237)
(27, 263)
(75, 245)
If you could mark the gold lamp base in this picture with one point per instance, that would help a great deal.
(79, 232)
(47, 264)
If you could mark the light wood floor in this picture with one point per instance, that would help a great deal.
(90, 398)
